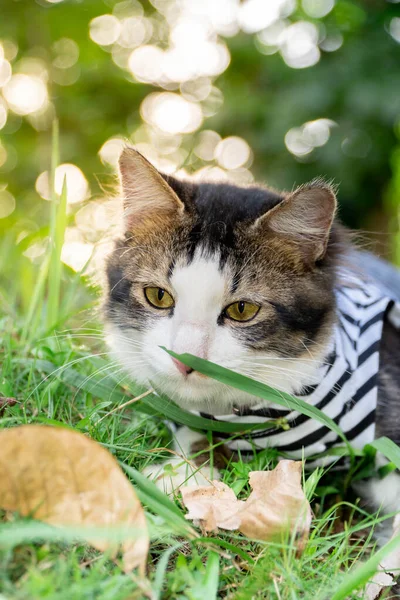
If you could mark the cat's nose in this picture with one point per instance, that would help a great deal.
(184, 369)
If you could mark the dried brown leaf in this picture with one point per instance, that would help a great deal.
(212, 506)
(64, 478)
(276, 504)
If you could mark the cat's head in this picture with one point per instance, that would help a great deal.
(241, 276)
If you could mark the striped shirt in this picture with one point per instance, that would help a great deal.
(347, 383)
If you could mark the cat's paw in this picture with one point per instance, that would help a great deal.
(171, 475)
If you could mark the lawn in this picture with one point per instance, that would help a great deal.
(54, 365)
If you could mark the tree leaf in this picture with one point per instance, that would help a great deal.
(212, 506)
(64, 478)
(277, 504)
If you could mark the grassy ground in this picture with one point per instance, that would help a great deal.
(54, 364)
(179, 567)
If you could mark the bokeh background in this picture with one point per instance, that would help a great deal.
(277, 91)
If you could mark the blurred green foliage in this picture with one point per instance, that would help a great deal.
(258, 97)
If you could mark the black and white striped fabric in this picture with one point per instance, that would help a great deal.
(347, 386)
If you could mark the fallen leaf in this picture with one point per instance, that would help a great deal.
(64, 478)
(212, 506)
(276, 504)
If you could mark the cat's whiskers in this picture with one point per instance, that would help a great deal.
(103, 369)
(271, 378)
(265, 359)
(275, 369)
(63, 367)
(93, 375)
(268, 378)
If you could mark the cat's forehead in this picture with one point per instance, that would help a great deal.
(203, 276)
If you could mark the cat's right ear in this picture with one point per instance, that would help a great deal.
(148, 199)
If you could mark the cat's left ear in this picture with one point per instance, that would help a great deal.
(304, 218)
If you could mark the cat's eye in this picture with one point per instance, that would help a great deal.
(158, 297)
(241, 311)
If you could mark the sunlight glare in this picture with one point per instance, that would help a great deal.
(271, 36)
(171, 113)
(37, 249)
(318, 8)
(316, 133)
(7, 204)
(145, 63)
(207, 143)
(76, 254)
(299, 45)
(394, 28)
(25, 94)
(111, 150)
(3, 114)
(223, 16)
(300, 141)
(233, 152)
(5, 72)
(96, 217)
(240, 176)
(77, 185)
(67, 52)
(104, 30)
(3, 154)
(10, 49)
(197, 89)
(255, 15)
(210, 173)
(332, 41)
(134, 32)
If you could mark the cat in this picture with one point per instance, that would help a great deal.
(262, 283)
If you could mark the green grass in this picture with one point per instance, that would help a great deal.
(53, 361)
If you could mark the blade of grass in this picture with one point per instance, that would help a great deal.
(211, 578)
(260, 390)
(106, 388)
(55, 159)
(159, 579)
(170, 410)
(149, 494)
(34, 313)
(55, 270)
(388, 448)
(360, 576)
